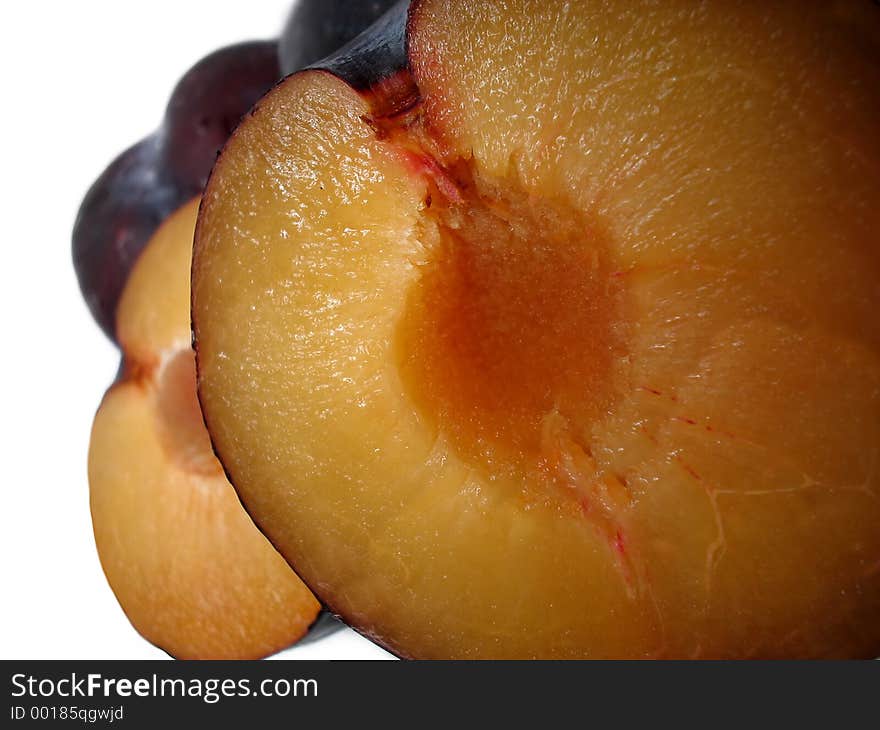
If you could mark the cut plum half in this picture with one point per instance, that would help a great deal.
(189, 568)
(560, 340)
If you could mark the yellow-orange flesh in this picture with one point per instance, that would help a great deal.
(579, 356)
(190, 569)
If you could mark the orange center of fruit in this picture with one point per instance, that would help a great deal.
(513, 327)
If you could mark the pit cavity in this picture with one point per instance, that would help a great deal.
(509, 339)
(182, 430)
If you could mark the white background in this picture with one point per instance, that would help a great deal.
(82, 80)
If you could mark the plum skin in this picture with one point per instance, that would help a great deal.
(117, 217)
(317, 28)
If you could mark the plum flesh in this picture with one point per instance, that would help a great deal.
(699, 478)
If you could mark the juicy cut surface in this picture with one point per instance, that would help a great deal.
(577, 355)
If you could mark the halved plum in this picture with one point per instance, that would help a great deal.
(558, 338)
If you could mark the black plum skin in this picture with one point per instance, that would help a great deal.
(117, 217)
(317, 28)
(374, 56)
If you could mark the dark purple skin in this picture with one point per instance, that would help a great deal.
(147, 182)
(117, 217)
(206, 106)
(317, 28)
(374, 56)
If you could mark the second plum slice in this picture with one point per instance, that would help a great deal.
(187, 564)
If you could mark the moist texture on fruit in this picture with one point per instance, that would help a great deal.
(564, 344)
(188, 566)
